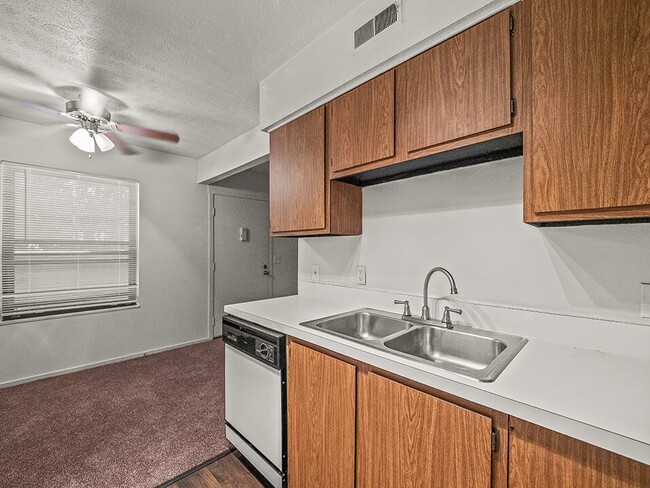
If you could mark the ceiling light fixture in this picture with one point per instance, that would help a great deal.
(99, 129)
(83, 139)
(103, 142)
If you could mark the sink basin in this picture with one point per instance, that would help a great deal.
(458, 349)
(363, 325)
(476, 353)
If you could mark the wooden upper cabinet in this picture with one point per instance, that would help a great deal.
(541, 458)
(321, 408)
(460, 87)
(297, 174)
(409, 438)
(589, 156)
(303, 201)
(361, 124)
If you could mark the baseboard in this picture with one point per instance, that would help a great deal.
(96, 364)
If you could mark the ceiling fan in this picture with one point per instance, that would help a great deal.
(95, 126)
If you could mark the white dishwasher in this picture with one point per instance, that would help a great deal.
(255, 383)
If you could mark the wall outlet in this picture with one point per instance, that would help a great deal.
(315, 272)
(645, 300)
(361, 275)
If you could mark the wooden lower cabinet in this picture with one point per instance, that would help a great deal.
(541, 458)
(406, 437)
(321, 409)
(350, 424)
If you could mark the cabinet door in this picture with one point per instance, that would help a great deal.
(409, 438)
(297, 174)
(361, 124)
(321, 419)
(541, 458)
(591, 109)
(460, 87)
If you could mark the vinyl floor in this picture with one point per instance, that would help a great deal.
(230, 471)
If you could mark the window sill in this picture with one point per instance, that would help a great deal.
(67, 315)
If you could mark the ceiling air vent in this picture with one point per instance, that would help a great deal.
(364, 33)
(385, 18)
(376, 25)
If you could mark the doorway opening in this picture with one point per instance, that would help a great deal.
(247, 264)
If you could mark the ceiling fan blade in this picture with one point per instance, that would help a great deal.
(41, 107)
(119, 143)
(144, 132)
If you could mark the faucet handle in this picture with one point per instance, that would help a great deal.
(407, 307)
(446, 316)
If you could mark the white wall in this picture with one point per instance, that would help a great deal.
(173, 261)
(469, 220)
(254, 184)
(285, 273)
(247, 183)
(243, 152)
(329, 66)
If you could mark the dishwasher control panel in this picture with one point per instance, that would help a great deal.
(263, 344)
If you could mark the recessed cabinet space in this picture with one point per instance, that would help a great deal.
(361, 125)
(588, 156)
(541, 458)
(406, 437)
(461, 88)
(321, 409)
(302, 199)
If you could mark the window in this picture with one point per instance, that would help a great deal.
(69, 242)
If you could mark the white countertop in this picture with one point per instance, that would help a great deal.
(599, 397)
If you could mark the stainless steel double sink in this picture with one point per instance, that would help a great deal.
(475, 353)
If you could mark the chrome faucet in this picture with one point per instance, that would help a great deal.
(446, 316)
(426, 311)
(406, 314)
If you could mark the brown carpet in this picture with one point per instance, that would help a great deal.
(137, 423)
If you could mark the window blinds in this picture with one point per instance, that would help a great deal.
(69, 241)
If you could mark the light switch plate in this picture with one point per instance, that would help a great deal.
(361, 275)
(277, 259)
(645, 300)
(315, 273)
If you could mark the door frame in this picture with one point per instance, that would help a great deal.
(227, 192)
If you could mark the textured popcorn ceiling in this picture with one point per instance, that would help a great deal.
(188, 66)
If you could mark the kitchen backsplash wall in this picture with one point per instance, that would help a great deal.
(469, 220)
